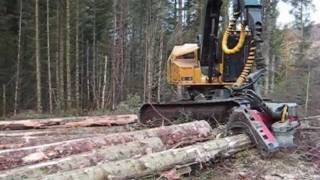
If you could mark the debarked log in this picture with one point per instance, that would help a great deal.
(66, 131)
(69, 122)
(25, 138)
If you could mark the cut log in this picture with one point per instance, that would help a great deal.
(158, 162)
(68, 122)
(170, 136)
(112, 153)
(26, 141)
(66, 131)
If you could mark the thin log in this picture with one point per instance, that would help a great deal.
(66, 131)
(87, 121)
(170, 136)
(311, 117)
(26, 141)
(158, 162)
(113, 153)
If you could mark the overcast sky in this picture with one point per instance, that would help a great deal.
(285, 17)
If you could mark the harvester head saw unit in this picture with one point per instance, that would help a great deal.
(220, 81)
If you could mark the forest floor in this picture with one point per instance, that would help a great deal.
(248, 165)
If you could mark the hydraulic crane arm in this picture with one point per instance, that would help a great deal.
(250, 12)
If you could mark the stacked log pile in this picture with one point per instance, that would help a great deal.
(106, 147)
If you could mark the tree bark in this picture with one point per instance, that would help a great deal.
(38, 65)
(179, 41)
(88, 72)
(306, 104)
(68, 55)
(145, 74)
(118, 69)
(170, 136)
(94, 58)
(151, 27)
(70, 122)
(267, 78)
(113, 153)
(77, 57)
(115, 61)
(157, 162)
(61, 61)
(273, 72)
(103, 96)
(160, 65)
(148, 67)
(57, 63)
(49, 59)
(16, 93)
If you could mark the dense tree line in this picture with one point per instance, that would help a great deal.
(83, 55)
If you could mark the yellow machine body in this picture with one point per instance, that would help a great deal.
(184, 69)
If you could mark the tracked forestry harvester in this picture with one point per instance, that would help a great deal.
(219, 81)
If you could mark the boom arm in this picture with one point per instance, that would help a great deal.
(250, 10)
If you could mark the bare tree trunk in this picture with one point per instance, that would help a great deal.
(145, 75)
(179, 41)
(273, 71)
(180, 22)
(38, 65)
(68, 55)
(77, 57)
(57, 63)
(100, 68)
(94, 57)
(103, 96)
(49, 59)
(4, 101)
(267, 78)
(149, 61)
(18, 63)
(82, 75)
(148, 64)
(88, 73)
(123, 34)
(306, 105)
(160, 65)
(61, 63)
(117, 54)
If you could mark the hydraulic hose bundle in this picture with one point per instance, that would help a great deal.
(252, 49)
(231, 27)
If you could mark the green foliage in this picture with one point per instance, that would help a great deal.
(184, 118)
(131, 105)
